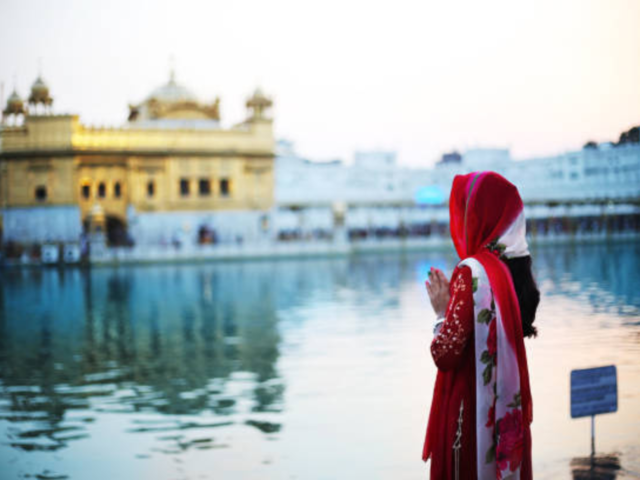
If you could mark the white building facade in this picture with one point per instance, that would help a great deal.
(376, 196)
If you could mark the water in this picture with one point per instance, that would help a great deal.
(295, 369)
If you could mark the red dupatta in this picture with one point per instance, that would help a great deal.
(487, 222)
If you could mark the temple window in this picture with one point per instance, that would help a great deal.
(151, 188)
(85, 190)
(204, 186)
(184, 187)
(117, 190)
(102, 190)
(225, 187)
(41, 193)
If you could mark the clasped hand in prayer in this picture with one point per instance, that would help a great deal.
(438, 290)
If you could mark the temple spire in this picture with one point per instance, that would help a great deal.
(172, 69)
(258, 104)
(40, 100)
(15, 108)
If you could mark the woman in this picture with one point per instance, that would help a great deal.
(481, 410)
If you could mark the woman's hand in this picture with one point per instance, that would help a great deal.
(438, 289)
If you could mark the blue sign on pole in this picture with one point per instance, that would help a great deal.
(594, 391)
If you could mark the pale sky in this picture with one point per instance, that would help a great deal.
(419, 77)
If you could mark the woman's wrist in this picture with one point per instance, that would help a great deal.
(438, 323)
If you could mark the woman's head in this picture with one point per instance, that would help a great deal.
(486, 211)
(482, 207)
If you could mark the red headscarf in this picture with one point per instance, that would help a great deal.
(487, 223)
(482, 207)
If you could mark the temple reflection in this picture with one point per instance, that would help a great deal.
(134, 340)
(206, 340)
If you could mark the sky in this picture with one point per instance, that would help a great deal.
(417, 77)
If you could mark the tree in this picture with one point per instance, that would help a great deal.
(630, 136)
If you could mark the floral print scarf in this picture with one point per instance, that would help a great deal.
(487, 225)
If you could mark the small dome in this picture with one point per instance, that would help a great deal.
(40, 93)
(259, 99)
(257, 104)
(15, 104)
(14, 99)
(39, 86)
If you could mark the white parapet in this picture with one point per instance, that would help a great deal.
(42, 224)
(185, 227)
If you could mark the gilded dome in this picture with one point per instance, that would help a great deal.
(175, 106)
(259, 98)
(258, 103)
(40, 93)
(15, 104)
(173, 92)
(39, 86)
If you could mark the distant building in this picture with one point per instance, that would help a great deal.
(380, 197)
(375, 160)
(450, 158)
(605, 173)
(173, 176)
(171, 173)
(373, 193)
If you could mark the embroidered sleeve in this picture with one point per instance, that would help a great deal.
(453, 336)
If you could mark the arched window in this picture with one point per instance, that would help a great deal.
(184, 187)
(204, 186)
(102, 190)
(117, 190)
(151, 188)
(41, 193)
(225, 187)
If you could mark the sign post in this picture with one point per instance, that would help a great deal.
(594, 391)
(593, 435)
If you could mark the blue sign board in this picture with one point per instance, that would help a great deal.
(594, 391)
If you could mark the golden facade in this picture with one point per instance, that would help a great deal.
(172, 155)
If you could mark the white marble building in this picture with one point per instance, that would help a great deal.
(375, 191)
(377, 194)
(604, 173)
(42, 224)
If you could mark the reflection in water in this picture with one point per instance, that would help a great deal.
(186, 355)
(600, 467)
(135, 340)
(600, 274)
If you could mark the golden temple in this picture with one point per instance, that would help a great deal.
(171, 155)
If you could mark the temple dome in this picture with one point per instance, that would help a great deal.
(39, 86)
(257, 104)
(40, 93)
(174, 106)
(173, 92)
(15, 104)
